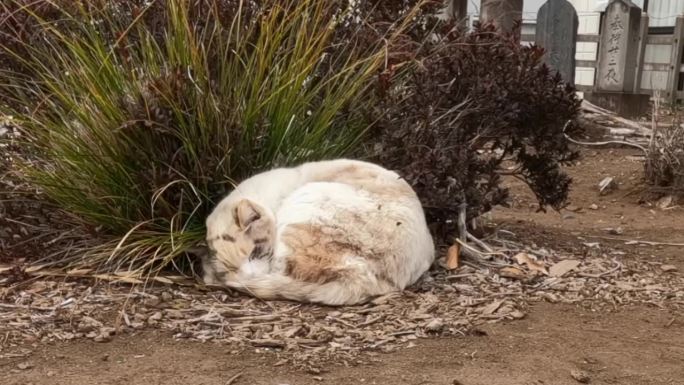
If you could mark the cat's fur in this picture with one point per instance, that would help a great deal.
(333, 232)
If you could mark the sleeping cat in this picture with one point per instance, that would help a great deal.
(333, 232)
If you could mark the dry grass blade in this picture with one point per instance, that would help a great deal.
(233, 378)
(665, 158)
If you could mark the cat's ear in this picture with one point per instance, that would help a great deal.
(246, 213)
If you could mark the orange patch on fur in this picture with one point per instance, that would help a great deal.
(317, 253)
(369, 179)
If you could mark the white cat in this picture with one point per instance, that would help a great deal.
(332, 232)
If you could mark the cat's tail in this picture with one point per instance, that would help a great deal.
(277, 286)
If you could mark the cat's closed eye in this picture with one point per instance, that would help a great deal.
(228, 238)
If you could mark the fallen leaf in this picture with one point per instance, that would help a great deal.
(280, 362)
(531, 262)
(155, 317)
(563, 267)
(668, 268)
(573, 208)
(385, 298)
(624, 286)
(549, 297)
(492, 307)
(105, 335)
(37, 287)
(166, 296)
(452, 257)
(664, 202)
(513, 273)
(291, 332)
(615, 231)
(173, 313)
(517, 314)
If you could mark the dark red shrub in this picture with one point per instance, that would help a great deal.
(477, 106)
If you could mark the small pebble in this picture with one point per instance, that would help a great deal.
(24, 365)
(435, 325)
(580, 376)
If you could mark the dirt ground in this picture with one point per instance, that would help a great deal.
(627, 346)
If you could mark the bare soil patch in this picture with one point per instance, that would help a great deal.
(634, 345)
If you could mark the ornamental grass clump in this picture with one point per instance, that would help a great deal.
(137, 118)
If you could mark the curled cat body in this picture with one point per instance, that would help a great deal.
(334, 232)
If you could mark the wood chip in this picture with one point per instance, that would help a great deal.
(452, 257)
(530, 262)
(309, 337)
(517, 314)
(492, 307)
(435, 325)
(512, 273)
(563, 267)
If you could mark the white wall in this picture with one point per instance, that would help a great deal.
(661, 13)
(589, 21)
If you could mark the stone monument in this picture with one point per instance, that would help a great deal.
(618, 57)
(557, 32)
(618, 47)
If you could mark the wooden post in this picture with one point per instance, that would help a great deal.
(457, 10)
(643, 39)
(675, 59)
